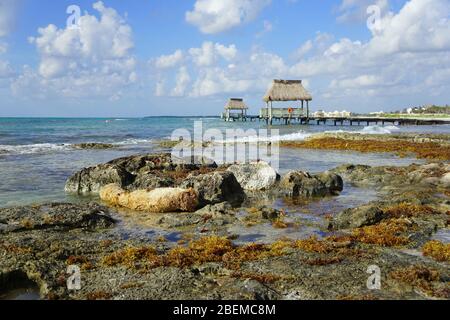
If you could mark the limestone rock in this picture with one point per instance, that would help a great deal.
(357, 217)
(160, 200)
(216, 187)
(255, 176)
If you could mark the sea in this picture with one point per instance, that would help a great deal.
(37, 154)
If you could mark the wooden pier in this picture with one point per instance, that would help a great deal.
(293, 91)
(341, 121)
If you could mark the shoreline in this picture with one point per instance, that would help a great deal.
(202, 250)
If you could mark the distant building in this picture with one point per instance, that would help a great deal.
(235, 108)
(283, 91)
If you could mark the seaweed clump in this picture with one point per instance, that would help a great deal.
(386, 234)
(424, 150)
(212, 249)
(407, 210)
(422, 277)
(437, 250)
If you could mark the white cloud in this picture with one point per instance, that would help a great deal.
(209, 53)
(251, 73)
(160, 88)
(93, 60)
(8, 10)
(169, 61)
(182, 81)
(421, 25)
(356, 10)
(358, 82)
(400, 58)
(6, 70)
(214, 16)
(228, 53)
(407, 58)
(315, 46)
(267, 27)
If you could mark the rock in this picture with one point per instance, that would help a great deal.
(299, 183)
(332, 181)
(216, 210)
(149, 181)
(255, 176)
(357, 217)
(58, 216)
(91, 180)
(196, 161)
(269, 213)
(445, 179)
(159, 200)
(431, 180)
(144, 163)
(134, 173)
(93, 146)
(216, 187)
(180, 220)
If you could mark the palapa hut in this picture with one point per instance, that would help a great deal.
(235, 104)
(287, 90)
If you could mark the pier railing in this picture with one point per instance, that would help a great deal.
(298, 116)
(283, 113)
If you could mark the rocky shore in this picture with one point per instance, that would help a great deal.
(202, 204)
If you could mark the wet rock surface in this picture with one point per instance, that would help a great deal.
(93, 146)
(136, 172)
(216, 187)
(366, 215)
(54, 216)
(299, 183)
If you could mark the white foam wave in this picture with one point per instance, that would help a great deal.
(302, 135)
(297, 136)
(379, 129)
(134, 141)
(33, 148)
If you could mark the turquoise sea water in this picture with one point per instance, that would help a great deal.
(36, 156)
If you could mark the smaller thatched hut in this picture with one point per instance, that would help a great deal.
(235, 104)
(287, 90)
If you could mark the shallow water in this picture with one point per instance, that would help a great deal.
(36, 157)
(442, 235)
(26, 293)
(305, 218)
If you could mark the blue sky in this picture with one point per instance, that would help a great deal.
(172, 57)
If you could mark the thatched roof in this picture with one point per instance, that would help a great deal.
(287, 90)
(236, 104)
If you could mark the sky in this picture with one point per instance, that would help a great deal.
(116, 58)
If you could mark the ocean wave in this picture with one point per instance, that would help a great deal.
(297, 136)
(379, 129)
(302, 135)
(33, 148)
(134, 141)
(367, 130)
